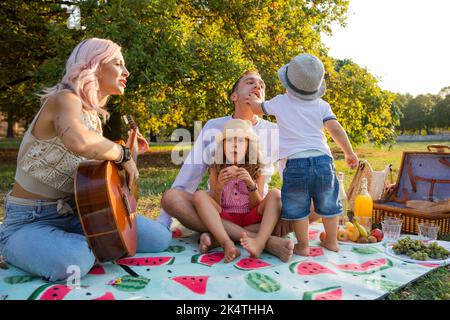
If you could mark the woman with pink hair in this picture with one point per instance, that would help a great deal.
(41, 232)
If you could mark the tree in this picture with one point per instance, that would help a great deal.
(185, 55)
(417, 113)
(33, 33)
(365, 111)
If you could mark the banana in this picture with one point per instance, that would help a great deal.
(361, 229)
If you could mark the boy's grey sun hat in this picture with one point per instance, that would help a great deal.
(304, 77)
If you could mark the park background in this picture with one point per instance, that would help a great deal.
(184, 56)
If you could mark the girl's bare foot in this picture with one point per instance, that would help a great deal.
(280, 247)
(251, 245)
(330, 245)
(230, 250)
(301, 250)
(207, 242)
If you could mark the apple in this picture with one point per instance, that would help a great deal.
(323, 236)
(377, 233)
(342, 235)
(372, 239)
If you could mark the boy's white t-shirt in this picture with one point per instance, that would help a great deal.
(300, 123)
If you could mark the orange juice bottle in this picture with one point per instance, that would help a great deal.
(363, 201)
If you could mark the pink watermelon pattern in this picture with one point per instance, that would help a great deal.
(106, 296)
(196, 284)
(309, 268)
(146, 261)
(312, 234)
(367, 267)
(331, 293)
(97, 270)
(247, 264)
(316, 252)
(50, 292)
(208, 259)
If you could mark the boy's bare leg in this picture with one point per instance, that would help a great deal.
(207, 210)
(330, 225)
(301, 232)
(270, 209)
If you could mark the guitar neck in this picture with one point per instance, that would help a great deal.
(133, 127)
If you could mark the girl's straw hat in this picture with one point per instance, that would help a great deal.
(237, 128)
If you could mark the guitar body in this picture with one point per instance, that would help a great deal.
(107, 209)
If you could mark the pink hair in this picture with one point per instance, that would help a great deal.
(80, 72)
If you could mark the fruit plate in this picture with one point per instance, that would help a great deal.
(445, 244)
(351, 243)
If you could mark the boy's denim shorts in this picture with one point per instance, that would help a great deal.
(306, 179)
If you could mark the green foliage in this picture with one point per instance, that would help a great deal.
(185, 55)
(425, 112)
(365, 111)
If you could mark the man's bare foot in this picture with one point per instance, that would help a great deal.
(251, 245)
(207, 242)
(230, 250)
(301, 250)
(280, 247)
(330, 245)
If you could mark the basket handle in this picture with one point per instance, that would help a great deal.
(438, 147)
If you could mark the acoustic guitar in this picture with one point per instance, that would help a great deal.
(106, 206)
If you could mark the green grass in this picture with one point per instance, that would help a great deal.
(10, 143)
(158, 175)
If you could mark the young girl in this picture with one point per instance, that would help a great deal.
(236, 191)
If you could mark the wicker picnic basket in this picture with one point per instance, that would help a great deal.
(421, 193)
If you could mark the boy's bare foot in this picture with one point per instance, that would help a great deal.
(301, 250)
(230, 250)
(280, 247)
(207, 242)
(251, 245)
(330, 245)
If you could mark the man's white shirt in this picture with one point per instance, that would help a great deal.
(196, 163)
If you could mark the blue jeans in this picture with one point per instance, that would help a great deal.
(36, 239)
(310, 178)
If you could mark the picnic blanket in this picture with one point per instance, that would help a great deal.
(182, 273)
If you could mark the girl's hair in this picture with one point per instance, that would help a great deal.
(80, 72)
(253, 159)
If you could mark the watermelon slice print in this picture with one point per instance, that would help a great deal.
(97, 270)
(262, 282)
(247, 264)
(20, 279)
(146, 261)
(365, 250)
(106, 296)
(382, 284)
(309, 268)
(312, 234)
(50, 292)
(331, 293)
(196, 284)
(208, 259)
(175, 249)
(128, 283)
(315, 252)
(60, 292)
(367, 267)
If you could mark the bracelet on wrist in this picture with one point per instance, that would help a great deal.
(126, 155)
(253, 189)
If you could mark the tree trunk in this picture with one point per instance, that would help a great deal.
(10, 129)
(113, 127)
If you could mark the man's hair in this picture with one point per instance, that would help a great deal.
(246, 73)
